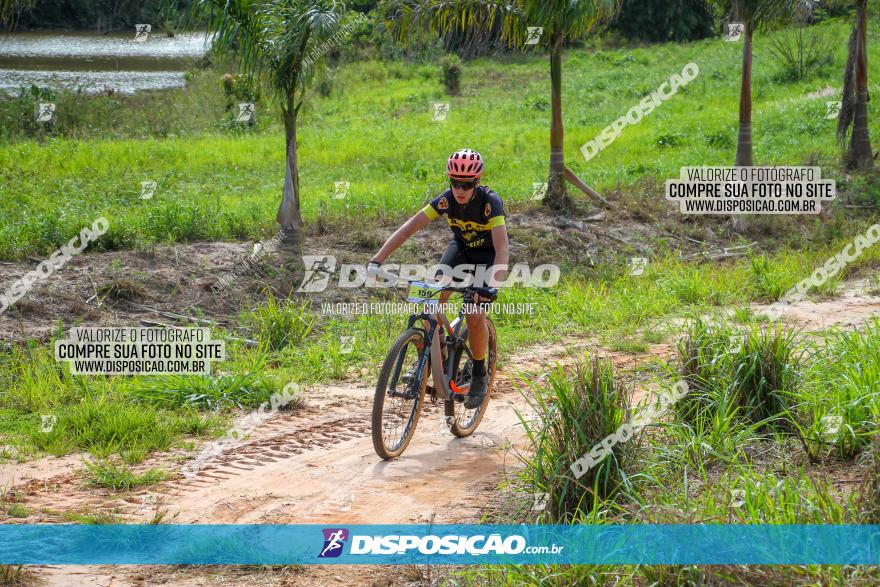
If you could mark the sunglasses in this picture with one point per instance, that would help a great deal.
(463, 185)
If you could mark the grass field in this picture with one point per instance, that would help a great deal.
(769, 431)
(375, 130)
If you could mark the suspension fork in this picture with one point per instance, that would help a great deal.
(455, 343)
(438, 369)
(423, 358)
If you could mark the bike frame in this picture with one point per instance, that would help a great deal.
(444, 386)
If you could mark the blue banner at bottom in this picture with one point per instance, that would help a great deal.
(170, 544)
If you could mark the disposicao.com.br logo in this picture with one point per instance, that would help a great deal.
(449, 544)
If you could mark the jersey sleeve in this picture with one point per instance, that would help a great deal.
(437, 206)
(494, 211)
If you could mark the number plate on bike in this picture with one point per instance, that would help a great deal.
(423, 293)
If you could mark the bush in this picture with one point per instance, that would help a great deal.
(869, 493)
(832, 9)
(838, 407)
(801, 52)
(748, 376)
(281, 324)
(572, 416)
(325, 86)
(674, 20)
(451, 66)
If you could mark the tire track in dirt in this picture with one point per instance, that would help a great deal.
(325, 469)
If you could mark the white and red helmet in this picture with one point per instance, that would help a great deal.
(464, 164)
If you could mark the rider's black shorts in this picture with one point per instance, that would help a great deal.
(458, 254)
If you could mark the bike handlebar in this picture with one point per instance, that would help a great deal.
(486, 292)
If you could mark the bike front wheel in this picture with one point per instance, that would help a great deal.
(462, 421)
(400, 395)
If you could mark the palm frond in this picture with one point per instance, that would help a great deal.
(574, 19)
(464, 17)
(272, 40)
(758, 14)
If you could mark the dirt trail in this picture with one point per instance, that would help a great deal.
(317, 465)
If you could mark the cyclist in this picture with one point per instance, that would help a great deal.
(475, 214)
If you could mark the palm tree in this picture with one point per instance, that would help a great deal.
(854, 107)
(560, 20)
(275, 42)
(753, 14)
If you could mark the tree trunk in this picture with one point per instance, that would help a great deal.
(556, 196)
(860, 154)
(289, 216)
(848, 99)
(744, 143)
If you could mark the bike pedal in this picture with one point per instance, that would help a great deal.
(400, 395)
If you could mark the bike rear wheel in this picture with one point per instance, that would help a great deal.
(399, 396)
(462, 421)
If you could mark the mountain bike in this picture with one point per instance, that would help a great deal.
(420, 351)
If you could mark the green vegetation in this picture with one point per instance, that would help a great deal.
(166, 15)
(108, 474)
(216, 184)
(714, 459)
(16, 510)
(735, 374)
(575, 415)
(94, 518)
(136, 415)
(11, 574)
(770, 417)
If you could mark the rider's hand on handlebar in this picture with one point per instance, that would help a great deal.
(374, 270)
(485, 294)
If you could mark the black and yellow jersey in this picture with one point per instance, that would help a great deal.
(471, 223)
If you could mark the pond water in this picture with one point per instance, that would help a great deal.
(95, 63)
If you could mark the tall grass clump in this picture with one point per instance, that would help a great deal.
(204, 392)
(103, 427)
(573, 414)
(104, 473)
(743, 376)
(766, 369)
(34, 382)
(868, 503)
(11, 574)
(283, 324)
(768, 279)
(246, 386)
(838, 405)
